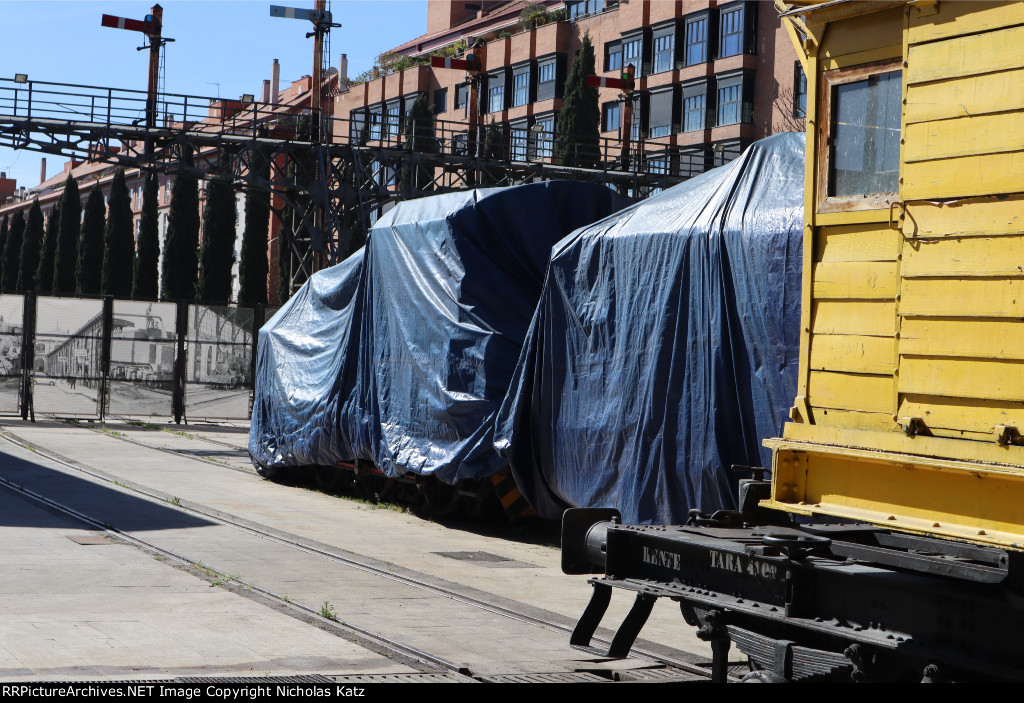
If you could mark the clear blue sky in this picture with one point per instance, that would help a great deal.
(221, 48)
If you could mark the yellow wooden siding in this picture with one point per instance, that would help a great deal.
(962, 378)
(876, 319)
(853, 353)
(956, 18)
(950, 297)
(967, 257)
(965, 136)
(966, 176)
(977, 416)
(856, 243)
(871, 31)
(848, 391)
(986, 339)
(854, 419)
(973, 218)
(964, 97)
(998, 50)
(860, 280)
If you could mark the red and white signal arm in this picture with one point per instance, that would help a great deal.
(602, 82)
(124, 23)
(445, 62)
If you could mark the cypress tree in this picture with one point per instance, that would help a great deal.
(419, 137)
(118, 241)
(66, 256)
(180, 262)
(30, 247)
(284, 256)
(90, 246)
(216, 255)
(44, 273)
(12, 253)
(579, 122)
(144, 282)
(253, 267)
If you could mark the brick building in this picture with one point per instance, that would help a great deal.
(711, 76)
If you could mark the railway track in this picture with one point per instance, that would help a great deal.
(285, 543)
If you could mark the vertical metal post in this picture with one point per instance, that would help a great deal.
(259, 314)
(180, 332)
(155, 43)
(105, 342)
(28, 353)
(627, 120)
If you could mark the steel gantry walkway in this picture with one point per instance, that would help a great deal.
(335, 184)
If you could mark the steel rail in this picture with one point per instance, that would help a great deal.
(229, 521)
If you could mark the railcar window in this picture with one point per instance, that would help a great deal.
(862, 142)
(866, 137)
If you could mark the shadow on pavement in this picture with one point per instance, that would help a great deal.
(106, 504)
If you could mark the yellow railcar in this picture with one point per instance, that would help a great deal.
(904, 456)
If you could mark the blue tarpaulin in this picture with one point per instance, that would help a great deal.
(664, 347)
(408, 362)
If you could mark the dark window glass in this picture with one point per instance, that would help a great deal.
(545, 131)
(582, 8)
(660, 112)
(694, 111)
(440, 100)
(521, 88)
(632, 53)
(392, 122)
(496, 99)
(613, 56)
(612, 113)
(518, 143)
(659, 165)
(664, 52)
(731, 31)
(865, 144)
(799, 91)
(375, 123)
(730, 101)
(696, 40)
(546, 72)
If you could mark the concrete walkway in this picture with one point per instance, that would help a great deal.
(523, 576)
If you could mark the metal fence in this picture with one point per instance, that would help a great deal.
(97, 358)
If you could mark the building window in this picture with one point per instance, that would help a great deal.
(521, 87)
(582, 8)
(613, 56)
(392, 124)
(546, 79)
(696, 40)
(544, 128)
(695, 106)
(863, 139)
(730, 102)
(375, 123)
(664, 50)
(799, 91)
(660, 165)
(440, 101)
(519, 137)
(735, 99)
(460, 144)
(496, 98)
(462, 99)
(632, 53)
(611, 116)
(736, 29)
(660, 113)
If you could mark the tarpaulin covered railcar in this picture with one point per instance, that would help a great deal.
(665, 346)
(434, 326)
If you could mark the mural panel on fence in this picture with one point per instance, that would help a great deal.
(12, 308)
(142, 349)
(218, 374)
(68, 353)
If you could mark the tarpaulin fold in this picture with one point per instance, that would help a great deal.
(664, 347)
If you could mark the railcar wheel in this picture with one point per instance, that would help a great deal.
(333, 479)
(439, 499)
(375, 486)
